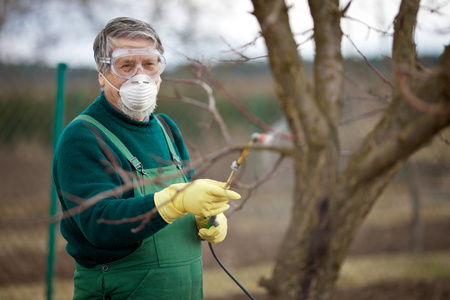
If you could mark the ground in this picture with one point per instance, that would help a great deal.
(253, 239)
(436, 239)
(411, 290)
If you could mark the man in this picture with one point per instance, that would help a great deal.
(118, 161)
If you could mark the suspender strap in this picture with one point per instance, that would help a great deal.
(137, 165)
(175, 158)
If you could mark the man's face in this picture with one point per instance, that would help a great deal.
(110, 93)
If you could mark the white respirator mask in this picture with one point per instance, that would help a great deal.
(138, 93)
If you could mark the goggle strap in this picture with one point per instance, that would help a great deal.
(105, 60)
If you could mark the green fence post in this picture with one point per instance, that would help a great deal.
(57, 129)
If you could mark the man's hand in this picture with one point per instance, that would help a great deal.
(213, 234)
(202, 197)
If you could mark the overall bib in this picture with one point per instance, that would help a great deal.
(166, 266)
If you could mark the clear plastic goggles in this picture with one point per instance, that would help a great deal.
(126, 62)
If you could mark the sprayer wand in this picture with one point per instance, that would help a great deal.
(256, 137)
(235, 165)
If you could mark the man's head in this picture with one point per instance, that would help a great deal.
(122, 28)
(124, 48)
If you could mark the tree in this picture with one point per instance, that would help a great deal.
(330, 201)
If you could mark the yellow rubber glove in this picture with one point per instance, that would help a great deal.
(213, 234)
(202, 197)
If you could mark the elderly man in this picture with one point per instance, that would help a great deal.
(118, 161)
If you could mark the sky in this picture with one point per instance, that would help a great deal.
(217, 27)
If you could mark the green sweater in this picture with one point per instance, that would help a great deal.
(82, 168)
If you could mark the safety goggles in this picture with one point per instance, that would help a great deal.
(126, 62)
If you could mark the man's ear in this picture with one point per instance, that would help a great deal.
(158, 84)
(101, 80)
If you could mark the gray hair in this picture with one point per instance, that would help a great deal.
(122, 27)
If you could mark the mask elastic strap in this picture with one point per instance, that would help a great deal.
(109, 82)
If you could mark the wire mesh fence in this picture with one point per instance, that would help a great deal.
(404, 235)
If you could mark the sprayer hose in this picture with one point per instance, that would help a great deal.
(228, 272)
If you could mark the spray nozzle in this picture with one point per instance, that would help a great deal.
(262, 138)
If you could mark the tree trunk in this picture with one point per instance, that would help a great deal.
(330, 205)
(305, 250)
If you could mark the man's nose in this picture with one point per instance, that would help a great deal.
(139, 70)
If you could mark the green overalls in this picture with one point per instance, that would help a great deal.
(166, 265)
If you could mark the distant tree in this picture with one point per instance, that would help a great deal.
(53, 21)
(332, 197)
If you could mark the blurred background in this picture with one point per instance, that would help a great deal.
(401, 252)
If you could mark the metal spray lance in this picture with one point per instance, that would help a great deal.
(256, 137)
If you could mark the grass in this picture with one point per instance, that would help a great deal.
(392, 267)
(62, 290)
(375, 269)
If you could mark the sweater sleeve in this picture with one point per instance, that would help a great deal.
(87, 176)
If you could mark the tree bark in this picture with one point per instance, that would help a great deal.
(306, 246)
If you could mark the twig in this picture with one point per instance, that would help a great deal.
(144, 218)
(240, 53)
(368, 91)
(211, 107)
(383, 32)
(272, 173)
(363, 116)
(369, 64)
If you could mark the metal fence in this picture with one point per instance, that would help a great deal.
(410, 217)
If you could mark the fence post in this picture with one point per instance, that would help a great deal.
(57, 129)
(416, 221)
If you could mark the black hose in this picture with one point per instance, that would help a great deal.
(228, 272)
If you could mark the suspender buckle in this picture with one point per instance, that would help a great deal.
(176, 160)
(137, 165)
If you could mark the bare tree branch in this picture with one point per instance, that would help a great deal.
(239, 53)
(415, 101)
(362, 116)
(211, 107)
(144, 218)
(369, 64)
(272, 173)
